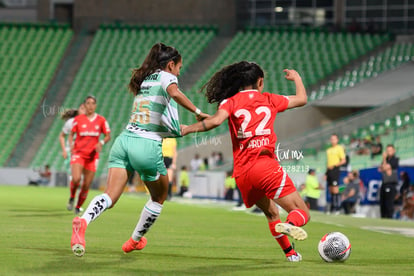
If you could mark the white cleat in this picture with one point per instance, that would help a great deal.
(295, 232)
(294, 258)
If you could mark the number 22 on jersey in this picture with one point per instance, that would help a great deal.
(260, 129)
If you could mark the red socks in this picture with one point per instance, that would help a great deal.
(297, 217)
(73, 189)
(83, 194)
(282, 239)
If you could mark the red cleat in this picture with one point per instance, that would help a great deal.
(78, 236)
(130, 245)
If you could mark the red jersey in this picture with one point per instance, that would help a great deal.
(251, 118)
(87, 134)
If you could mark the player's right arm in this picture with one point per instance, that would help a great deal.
(300, 99)
(70, 140)
(207, 124)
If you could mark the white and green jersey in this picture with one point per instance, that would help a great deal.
(154, 113)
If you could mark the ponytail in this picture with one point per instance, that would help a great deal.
(70, 113)
(158, 58)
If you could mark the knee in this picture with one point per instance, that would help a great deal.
(76, 179)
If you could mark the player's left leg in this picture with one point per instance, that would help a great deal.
(271, 212)
(159, 192)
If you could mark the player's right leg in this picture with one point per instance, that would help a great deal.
(150, 213)
(146, 158)
(76, 169)
(298, 216)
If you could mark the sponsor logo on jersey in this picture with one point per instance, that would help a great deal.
(89, 133)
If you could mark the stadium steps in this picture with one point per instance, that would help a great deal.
(388, 58)
(201, 65)
(349, 67)
(52, 103)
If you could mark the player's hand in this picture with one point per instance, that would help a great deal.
(64, 154)
(291, 74)
(98, 147)
(202, 116)
(183, 127)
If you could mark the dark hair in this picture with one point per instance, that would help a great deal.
(230, 79)
(157, 58)
(70, 113)
(391, 146)
(355, 173)
(90, 97)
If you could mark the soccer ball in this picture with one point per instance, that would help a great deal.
(334, 247)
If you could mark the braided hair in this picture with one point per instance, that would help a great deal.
(231, 79)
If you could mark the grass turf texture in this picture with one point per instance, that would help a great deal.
(188, 238)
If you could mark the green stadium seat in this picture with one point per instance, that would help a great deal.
(26, 49)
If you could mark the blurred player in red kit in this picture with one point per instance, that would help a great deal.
(237, 89)
(85, 151)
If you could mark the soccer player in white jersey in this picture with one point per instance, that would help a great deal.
(138, 148)
(237, 89)
(69, 116)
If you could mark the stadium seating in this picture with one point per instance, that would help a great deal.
(315, 54)
(106, 71)
(29, 56)
(388, 59)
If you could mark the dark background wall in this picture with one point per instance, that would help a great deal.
(89, 14)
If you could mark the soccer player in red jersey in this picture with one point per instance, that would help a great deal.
(237, 89)
(85, 151)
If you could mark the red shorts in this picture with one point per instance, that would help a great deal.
(88, 163)
(265, 178)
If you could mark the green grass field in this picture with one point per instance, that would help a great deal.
(188, 239)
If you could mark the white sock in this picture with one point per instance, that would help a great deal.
(149, 215)
(96, 207)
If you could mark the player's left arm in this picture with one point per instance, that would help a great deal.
(301, 98)
(207, 124)
(107, 132)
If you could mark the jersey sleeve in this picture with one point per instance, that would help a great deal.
(341, 152)
(226, 105)
(167, 79)
(67, 127)
(105, 126)
(279, 102)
